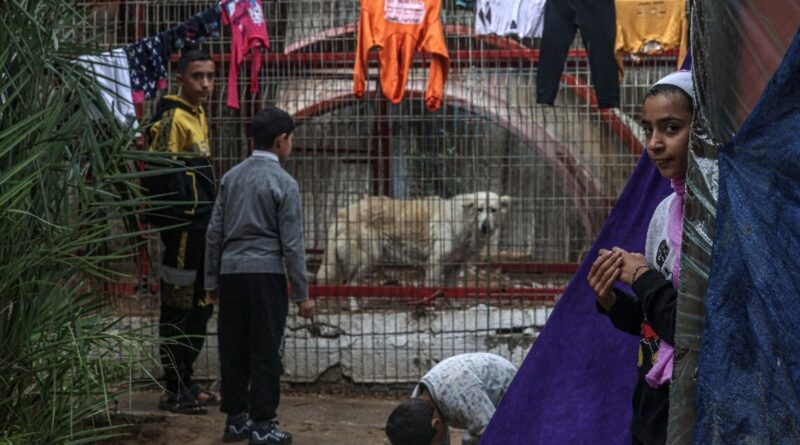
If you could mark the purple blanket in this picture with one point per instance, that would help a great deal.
(576, 384)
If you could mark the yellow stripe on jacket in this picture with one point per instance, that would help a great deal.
(181, 131)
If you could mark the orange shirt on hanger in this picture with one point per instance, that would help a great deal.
(399, 28)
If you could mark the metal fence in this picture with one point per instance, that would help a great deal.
(389, 318)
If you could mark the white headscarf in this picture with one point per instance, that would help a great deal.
(681, 79)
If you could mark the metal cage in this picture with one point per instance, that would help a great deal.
(561, 168)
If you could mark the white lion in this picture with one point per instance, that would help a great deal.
(439, 233)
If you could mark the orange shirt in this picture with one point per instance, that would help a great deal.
(399, 28)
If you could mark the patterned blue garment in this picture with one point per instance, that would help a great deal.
(147, 60)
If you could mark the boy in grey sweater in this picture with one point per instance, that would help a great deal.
(254, 240)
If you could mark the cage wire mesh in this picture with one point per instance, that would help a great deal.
(556, 172)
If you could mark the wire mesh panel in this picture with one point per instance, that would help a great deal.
(428, 233)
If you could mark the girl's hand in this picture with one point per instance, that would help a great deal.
(630, 262)
(605, 270)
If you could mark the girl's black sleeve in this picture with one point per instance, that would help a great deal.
(657, 298)
(625, 314)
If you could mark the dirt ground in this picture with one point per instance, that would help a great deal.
(312, 419)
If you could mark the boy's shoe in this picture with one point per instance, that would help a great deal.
(204, 396)
(180, 404)
(269, 434)
(237, 429)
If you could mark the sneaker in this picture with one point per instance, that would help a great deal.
(237, 430)
(269, 434)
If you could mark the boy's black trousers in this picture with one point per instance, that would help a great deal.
(183, 318)
(252, 317)
(186, 334)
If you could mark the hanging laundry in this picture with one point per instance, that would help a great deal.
(111, 72)
(649, 26)
(149, 57)
(197, 29)
(248, 32)
(597, 21)
(399, 28)
(147, 60)
(522, 18)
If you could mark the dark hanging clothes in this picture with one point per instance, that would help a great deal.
(596, 20)
(197, 29)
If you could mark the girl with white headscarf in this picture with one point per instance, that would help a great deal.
(667, 114)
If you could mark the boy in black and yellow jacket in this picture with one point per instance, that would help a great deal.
(183, 195)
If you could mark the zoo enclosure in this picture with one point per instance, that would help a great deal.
(561, 166)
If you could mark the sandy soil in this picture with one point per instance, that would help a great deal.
(312, 420)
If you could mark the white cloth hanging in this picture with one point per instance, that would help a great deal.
(523, 18)
(110, 71)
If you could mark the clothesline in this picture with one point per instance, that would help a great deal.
(131, 80)
(518, 56)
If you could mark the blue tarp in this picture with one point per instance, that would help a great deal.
(749, 371)
(576, 384)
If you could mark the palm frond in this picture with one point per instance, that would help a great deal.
(68, 197)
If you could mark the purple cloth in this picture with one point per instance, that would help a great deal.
(576, 384)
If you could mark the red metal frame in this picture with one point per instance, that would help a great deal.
(382, 152)
(578, 179)
(494, 57)
(511, 52)
(427, 295)
(562, 268)
(516, 57)
(575, 176)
